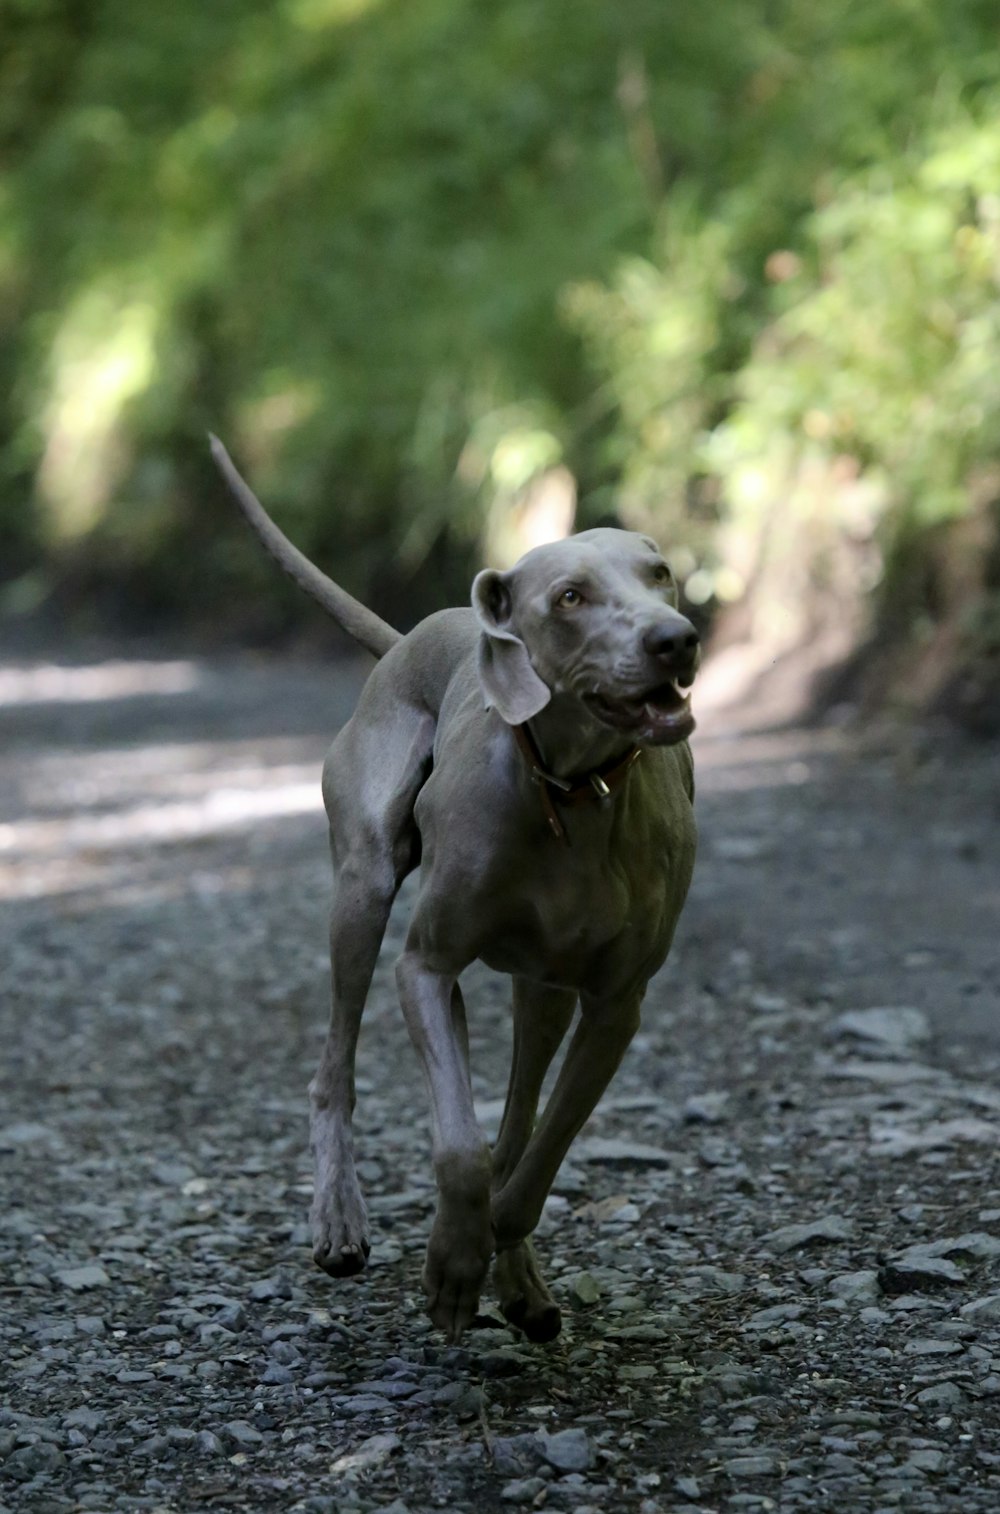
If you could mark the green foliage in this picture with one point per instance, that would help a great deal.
(406, 257)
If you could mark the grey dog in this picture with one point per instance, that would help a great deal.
(529, 754)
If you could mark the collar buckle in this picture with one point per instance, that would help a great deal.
(597, 786)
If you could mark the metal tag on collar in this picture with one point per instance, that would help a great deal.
(599, 786)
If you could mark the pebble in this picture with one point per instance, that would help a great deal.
(567, 1450)
(242, 1434)
(944, 1395)
(982, 1311)
(706, 1108)
(760, 1465)
(855, 1287)
(27, 1461)
(82, 1279)
(810, 1233)
(615, 1152)
(897, 1026)
(900, 1275)
(516, 1455)
(584, 1290)
(370, 1453)
(930, 1461)
(523, 1490)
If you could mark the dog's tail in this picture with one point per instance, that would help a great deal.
(374, 634)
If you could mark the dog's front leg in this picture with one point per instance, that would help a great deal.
(461, 1242)
(598, 1045)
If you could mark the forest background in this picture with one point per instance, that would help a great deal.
(441, 269)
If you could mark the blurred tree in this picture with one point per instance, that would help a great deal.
(733, 268)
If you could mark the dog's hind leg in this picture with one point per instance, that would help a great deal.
(370, 782)
(541, 1018)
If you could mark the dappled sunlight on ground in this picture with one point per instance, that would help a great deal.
(281, 791)
(51, 683)
(107, 768)
(97, 820)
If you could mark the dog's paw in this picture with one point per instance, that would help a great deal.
(341, 1242)
(525, 1300)
(454, 1273)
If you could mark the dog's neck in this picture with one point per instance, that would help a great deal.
(570, 742)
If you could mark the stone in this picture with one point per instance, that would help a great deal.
(90, 1324)
(231, 1317)
(271, 1288)
(567, 1450)
(584, 1290)
(28, 1461)
(516, 1455)
(391, 1387)
(275, 1374)
(705, 1109)
(982, 1311)
(242, 1434)
(84, 1418)
(896, 1026)
(894, 1141)
(81, 1279)
(944, 1395)
(626, 1153)
(376, 1449)
(761, 1464)
(774, 1314)
(854, 1287)
(154, 1446)
(811, 1233)
(973, 1246)
(522, 1490)
(928, 1460)
(899, 1275)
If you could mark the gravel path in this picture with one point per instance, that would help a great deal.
(777, 1243)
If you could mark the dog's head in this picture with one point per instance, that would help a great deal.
(594, 617)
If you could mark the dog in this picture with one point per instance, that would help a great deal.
(529, 754)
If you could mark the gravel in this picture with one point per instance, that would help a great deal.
(777, 1244)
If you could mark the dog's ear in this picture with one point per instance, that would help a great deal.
(508, 680)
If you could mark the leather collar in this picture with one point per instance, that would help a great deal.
(594, 786)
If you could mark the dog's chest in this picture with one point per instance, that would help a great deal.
(573, 922)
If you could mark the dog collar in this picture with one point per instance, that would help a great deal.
(599, 784)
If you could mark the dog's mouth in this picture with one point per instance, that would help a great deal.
(659, 717)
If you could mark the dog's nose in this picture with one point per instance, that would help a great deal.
(674, 638)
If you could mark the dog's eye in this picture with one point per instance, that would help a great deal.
(662, 574)
(570, 598)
